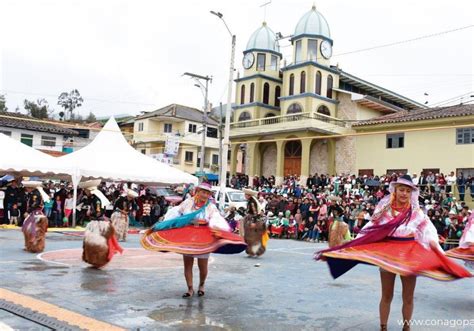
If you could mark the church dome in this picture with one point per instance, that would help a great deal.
(312, 23)
(263, 39)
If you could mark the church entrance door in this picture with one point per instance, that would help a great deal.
(292, 164)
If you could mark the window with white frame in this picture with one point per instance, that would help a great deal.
(188, 156)
(298, 52)
(192, 128)
(465, 136)
(27, 139)
(6, 133)
(140, 126)
(312, 49)
(168, 127)
(49, 141)
(261, 62)
(396, 140)
(274, 63)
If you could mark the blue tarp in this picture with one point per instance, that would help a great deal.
(209, 176)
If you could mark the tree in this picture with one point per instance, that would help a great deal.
(70, 101)
(3, 106)
(39, 109)
(91, 118)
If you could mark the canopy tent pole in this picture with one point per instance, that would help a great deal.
(75, 182)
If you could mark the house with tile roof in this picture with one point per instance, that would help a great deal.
(49, 136)
(182, 124)
(439, 140)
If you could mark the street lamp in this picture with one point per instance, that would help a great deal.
(228, 111)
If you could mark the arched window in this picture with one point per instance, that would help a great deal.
(318, 83)
(266, 93)
(329, 88)
(303, 82)
(245, 116)
(324, 110)
(294, 108)
(277, 96)
(252, 92)
(242, 95)
(292, 85)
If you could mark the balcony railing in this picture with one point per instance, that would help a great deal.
(289, 118)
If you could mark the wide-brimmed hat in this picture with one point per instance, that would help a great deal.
(131, 193)
(32, 183)
(90, 184)
(404, 180)
(250, 192)
(204, 186)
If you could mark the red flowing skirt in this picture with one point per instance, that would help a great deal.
(399, 256)
(466, 254)
(193, 240)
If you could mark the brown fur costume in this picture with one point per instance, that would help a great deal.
(35, 240)
(120, 222)
(95, 245)
(254, 229)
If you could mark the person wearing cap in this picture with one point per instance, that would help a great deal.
(100, 243)
(195, 229)
(400, 239)
(35, 225)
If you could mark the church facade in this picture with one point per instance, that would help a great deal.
(297, 118)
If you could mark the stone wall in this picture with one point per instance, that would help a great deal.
(269, 161)
(346, 155)
(318, 160)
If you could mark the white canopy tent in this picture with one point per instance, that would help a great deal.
(110, 157)
(20, 159)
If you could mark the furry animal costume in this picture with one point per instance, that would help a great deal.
(99, 244)
(120, 222)
(34, 230)
(255, 231)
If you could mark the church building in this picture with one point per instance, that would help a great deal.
(297, 118)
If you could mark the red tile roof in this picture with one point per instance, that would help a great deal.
(421, 115)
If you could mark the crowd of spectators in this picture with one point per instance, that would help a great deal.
(296, 209)
(145, 209)
(303, 210)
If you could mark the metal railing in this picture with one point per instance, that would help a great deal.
(288, 118)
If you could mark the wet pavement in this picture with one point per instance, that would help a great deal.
(283, 290)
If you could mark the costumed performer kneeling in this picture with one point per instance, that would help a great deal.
(100, 243)
(401, 240)
(465, 251)
(195, 229)
(35, 225)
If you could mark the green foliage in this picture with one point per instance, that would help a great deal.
(91, 118)
(70, 101)
(39, 109)
(3, 106)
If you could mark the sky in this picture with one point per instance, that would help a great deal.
(126, 57)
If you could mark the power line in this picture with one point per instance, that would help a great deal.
(406, 40)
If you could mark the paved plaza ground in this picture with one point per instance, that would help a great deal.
(283, 290)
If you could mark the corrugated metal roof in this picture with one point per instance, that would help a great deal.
(21, 121)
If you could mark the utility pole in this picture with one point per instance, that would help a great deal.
(221, 162)
(198, 79)
(228, 113)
